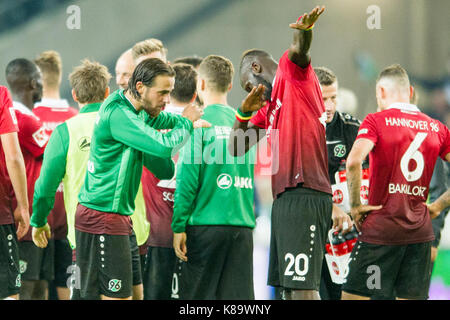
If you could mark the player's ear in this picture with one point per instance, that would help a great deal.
(256, 68)
(411, 94)
(229, 87)
(193, 98)
(107, 92)
(74, 96)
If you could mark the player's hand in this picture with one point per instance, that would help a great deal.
(192, 113)
(41, 235)
(254, 100)
(179, 244)
(360, 213)
(308, 19)
(434, 211)
(341, 220)
(22, 218)
(200, 123)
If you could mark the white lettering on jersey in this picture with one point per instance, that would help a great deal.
(90, 166)
(408, 123)
(40, 137)
(406, 189)
(222, 132)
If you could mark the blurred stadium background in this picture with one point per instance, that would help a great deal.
(412, 33)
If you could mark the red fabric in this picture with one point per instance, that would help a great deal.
(32, 140)
(99, 222)
(407, 145)
(296, 129)
(8, 124)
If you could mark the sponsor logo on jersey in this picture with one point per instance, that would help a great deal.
(114, 285)
(90, 166)
(84, 144)
(363, 131)
(18, 281)
(224, 181)
(40, 137)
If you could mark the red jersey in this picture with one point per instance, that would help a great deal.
(8, 124)
(295, 123)
(53, 112)
(407, 144)
(32, 140)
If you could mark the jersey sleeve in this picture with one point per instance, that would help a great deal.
(187, 178)
(52, 172)
(368, 129)
(445, 148)
(259, 119)
(8, 120)
(164, 120)
(32, 134)
(161, 168)
(293, 72)
(129, 129)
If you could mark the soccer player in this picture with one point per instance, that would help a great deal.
(150, 48)
(341, 132)
(12, 175)
(123, 140)
(393, 254)
(213, 214)
(124, 69)
(66, 155)
(294, 121)
(159, 200)
(24, 80)
(52, 111)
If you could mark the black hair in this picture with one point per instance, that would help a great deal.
(18, 71)
(191, 60)
(146, 72)
(185, 82)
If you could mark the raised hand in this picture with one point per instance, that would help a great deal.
(254, 100)
(308, 19)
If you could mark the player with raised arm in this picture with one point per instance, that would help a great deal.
(293, 115)
(392, 257)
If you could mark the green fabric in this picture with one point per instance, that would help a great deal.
(213, 187)
(120, 138)
(65, 159)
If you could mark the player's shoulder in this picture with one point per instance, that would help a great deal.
(348, 119)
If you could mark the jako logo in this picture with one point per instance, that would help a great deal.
(224, 181)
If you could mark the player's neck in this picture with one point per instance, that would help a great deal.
(24, 98)
(210, 98)
(136, 103)
(51, 94)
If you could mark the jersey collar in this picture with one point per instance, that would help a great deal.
(404, 106)
(52, 103)
(122, 94)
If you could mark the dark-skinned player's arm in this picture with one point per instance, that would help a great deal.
(442, 202)
(299, 50)
(245, 134)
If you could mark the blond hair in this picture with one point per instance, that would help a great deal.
(90, 81)
(147, 47)
(396, 74)
(218, 73)
(50, 64)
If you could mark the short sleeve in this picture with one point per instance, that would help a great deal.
(259, 119)
(8, 121)
(445, 147)
(368, 129)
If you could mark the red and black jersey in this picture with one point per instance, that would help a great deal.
(8, 124)
(295, 124)
(407, 144)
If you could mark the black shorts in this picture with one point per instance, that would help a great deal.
(136, 260)
(402, 271)
(105, 265)
(219, 266)
(63, 260)
(37, 263)
(9, 262)
(158, 273)
(300, 222)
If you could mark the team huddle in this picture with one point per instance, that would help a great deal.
(147, 192)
